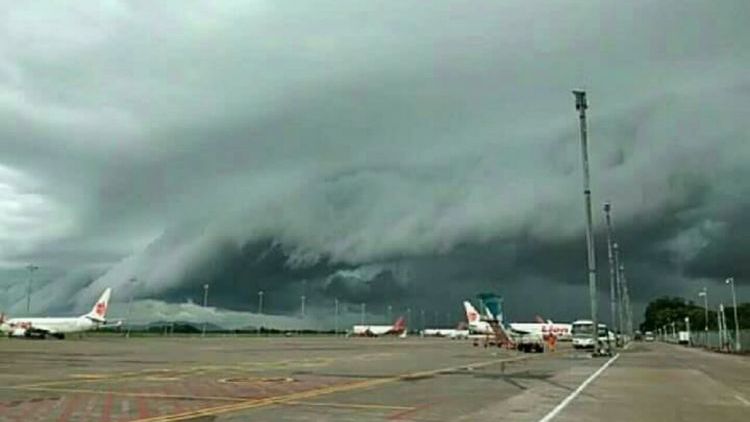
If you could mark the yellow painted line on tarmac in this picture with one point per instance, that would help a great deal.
(742, 399)
(282, 399)
(131, 394)
(349, 405)
(90, 376)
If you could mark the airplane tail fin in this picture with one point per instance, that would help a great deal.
(99, 311)
(540, 320)
(2, 318)
(472, 316)
(400, 324)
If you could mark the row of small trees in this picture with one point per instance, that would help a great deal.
(665, 310)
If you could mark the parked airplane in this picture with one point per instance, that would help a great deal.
(398, 328)
(477, 325)
(452, 333)
(494, 331)
(58, 327)
(545, 328)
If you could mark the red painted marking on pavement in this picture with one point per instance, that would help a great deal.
(32, 406)
(143, 412)
(23, 415)
(107, 408)
(227, 390)
(400, 415)
(47, 406)
(71, 403)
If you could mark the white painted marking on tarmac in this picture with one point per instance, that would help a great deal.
(577, 391)
(742, 399)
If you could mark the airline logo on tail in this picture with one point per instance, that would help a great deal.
(399, 324)
(471, 314)
(99, 310)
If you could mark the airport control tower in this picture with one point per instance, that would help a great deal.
(492, 302)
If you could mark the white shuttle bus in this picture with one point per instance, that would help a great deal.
(581, 331)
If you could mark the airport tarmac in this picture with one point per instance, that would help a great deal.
(356, 379)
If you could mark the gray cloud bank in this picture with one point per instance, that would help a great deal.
(383, 152)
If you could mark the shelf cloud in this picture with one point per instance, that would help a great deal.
(393, 154)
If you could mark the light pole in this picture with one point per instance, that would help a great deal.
(302, 306)
(737, 345)
(626, 302)
(390, 312)
(408, 317)
(581, 106)
(335, 316)
(130, 305)
(421, 312)
(612, 269)
(721, 326)
(687, 328)
(669, 331)
(205, 305)
(704, 293)
(362, 313)
(31, 268)
(260, 311)
(620, 302)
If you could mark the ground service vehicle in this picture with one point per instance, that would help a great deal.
(581, 331)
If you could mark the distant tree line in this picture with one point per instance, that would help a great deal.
(665, 310)
(187, 328)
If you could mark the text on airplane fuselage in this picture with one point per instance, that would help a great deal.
(554, 330)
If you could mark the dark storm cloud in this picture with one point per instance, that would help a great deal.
(391, 153)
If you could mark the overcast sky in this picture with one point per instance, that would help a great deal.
(396, 153)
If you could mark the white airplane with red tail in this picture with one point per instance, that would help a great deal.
(397, 329)
(58, 327)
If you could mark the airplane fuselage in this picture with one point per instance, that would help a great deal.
(561, 331)
(53, 326)
(480, 327)
(56, 326)
(374, 330)
(445, 332)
